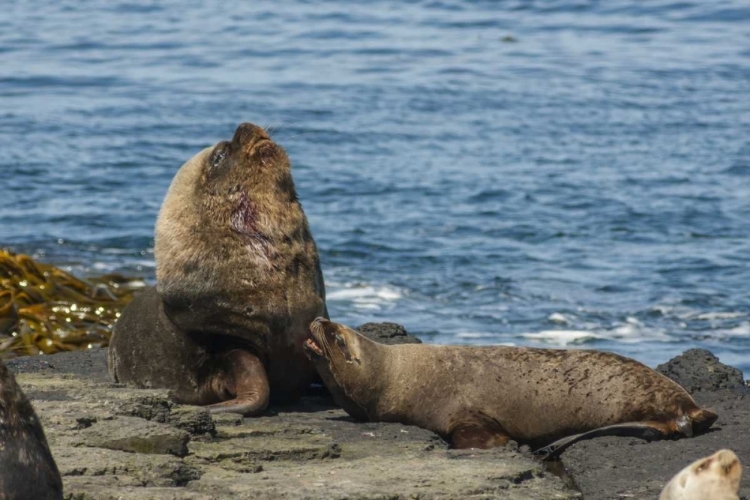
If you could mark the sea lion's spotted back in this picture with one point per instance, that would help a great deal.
(27, 469)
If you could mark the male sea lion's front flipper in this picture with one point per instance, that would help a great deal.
(477, 430)
(650, 431)
(244, 378)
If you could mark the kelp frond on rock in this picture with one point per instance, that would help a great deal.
(44, 309)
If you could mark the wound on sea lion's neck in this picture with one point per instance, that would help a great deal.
(243, 216)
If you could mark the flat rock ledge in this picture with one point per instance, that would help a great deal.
(116, 442)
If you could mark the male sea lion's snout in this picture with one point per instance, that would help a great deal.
(248, 136)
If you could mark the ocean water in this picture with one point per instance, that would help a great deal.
(547, 173)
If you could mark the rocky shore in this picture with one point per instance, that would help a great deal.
(116, 442)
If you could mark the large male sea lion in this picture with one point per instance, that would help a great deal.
(480, 397)
(27, 469)
(711, 478)
(238, 283)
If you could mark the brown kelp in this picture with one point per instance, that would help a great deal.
(44, 309)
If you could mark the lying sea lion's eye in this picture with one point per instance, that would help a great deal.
(220, 152)
(340, 340)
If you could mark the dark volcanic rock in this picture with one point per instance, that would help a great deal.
(387, 333)
(699, 370)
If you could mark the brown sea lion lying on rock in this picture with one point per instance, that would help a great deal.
(481, 397)
(27, 469)
(716, 477)
(238, 283)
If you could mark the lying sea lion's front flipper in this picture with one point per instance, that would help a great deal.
(477, 430)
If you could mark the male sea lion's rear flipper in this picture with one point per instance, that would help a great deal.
(244, 378)
(650, 431)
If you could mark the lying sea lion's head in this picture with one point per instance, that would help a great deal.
(346, 361)
(219, 227)
(716, 477)
(337, 344)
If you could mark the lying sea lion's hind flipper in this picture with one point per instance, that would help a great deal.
(700, 420)
(650, 431)
(477, 430)
(244, 378)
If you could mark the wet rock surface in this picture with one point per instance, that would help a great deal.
(116, 442)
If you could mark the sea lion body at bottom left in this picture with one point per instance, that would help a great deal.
(481, 397)
(27, 469)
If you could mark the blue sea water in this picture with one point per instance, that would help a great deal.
(547, 173)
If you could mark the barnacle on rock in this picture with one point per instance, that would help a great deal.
(44, 309)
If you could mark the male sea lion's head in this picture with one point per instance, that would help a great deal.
(222, 218)
(716, 477)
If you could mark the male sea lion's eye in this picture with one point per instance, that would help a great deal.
(218, 156)
(340, 340)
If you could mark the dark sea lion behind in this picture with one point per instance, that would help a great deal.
(238, 283)
(27, 469)
(480, 397)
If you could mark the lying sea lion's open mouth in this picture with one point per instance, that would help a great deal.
(313, 347)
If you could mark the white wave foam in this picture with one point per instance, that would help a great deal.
(713, 316)
(364, 293)
(557, 317)
(741, 330)
(632, 331)
(363, 297)
(365, 305)
(475, 335)
(562, 337)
